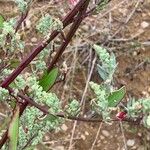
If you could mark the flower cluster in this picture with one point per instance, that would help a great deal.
(101, 5)
(38, 66)
(34, 126)
(4, 93)
(106, 70)
(73, 108)
(5, 72)
(47, 24)
(9, 40)
(22, 5)
(108, 63)
(19, 83)
(100, 104)
(36, 92)
(138, 109)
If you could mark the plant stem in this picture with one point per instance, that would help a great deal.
(25, 62)
(21, 20)
(70, 34)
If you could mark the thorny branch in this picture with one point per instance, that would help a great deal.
(67, 20)
(25, 62)
(75, 16)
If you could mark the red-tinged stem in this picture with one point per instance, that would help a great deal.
(45, 110)
(70, 17)
(70, 34)
(26, 61)
(39, 48)
(67, 20)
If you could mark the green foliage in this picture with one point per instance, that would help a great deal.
(34, 125)
(39, 95)
(45, 52)
(73, 108)
(48, 79)
(13, 130)
(22, 5)
(44, 25)
(8, 26)
(100, 103)
(39, 64)
(116, 96)
(134, 108)
(19, 82)
(9, 40)
(16, 43)
(102, 5)
(47, 24)
(5, 73)
(106, 97)
(4, 94)
(139, 108)
(108, 63)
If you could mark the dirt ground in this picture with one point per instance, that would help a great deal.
(124, 28)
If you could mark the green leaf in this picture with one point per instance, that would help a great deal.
(48, 79)
(1, 21)
(13, 130)
(116, 96)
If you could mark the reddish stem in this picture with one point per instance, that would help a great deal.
(68, 19)
(70, 34)
(39, 48)
(80, 8)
